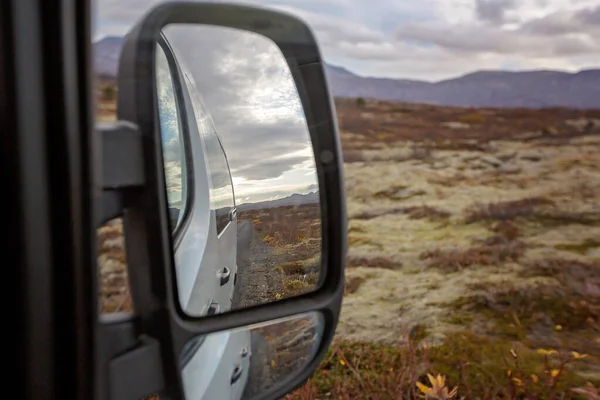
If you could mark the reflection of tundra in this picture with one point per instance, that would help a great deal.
(204, 226)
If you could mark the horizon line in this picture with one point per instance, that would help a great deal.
(510, 71)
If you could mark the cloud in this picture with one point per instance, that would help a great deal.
(433, 39)
(493, 11)
(269, 169)
(491, 39)
(245, 84)
(589, 16)
(584, 22)
(558, 35)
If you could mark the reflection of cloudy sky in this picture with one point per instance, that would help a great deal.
(169, 124)
(430, 39)
(246, 85)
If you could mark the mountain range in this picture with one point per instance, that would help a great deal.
(292, 200)
(490, 88)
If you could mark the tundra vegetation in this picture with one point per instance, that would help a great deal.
(474, 261)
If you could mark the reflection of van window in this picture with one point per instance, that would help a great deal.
(221, 191)
(172, 145)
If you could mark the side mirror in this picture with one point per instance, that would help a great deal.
(227, 169)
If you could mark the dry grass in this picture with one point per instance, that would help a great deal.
(507, 210)
(114, 294)
(427, 212)
(286, 225)
(414, 212)
(466, 366)
(536, 209)
(384, 122)
(352, 284)
(379, 262)
(497, 252)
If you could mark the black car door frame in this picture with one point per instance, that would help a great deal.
(48, 151)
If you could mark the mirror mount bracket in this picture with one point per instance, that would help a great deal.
(133, 361)
(122, 166)
(137, 373)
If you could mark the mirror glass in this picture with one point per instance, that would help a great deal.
(240, 172)
(249, 360)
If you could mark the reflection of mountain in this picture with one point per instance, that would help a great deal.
(293, 200)
(531, 89)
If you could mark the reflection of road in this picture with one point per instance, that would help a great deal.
(257, 283)
(281, 350)
(244, 239)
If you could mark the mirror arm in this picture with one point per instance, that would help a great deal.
(134, 364)
(122, 167)
(129, 365)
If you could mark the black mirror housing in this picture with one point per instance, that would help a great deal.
(145, 210)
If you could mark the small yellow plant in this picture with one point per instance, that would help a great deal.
(545, 352)
(438, 389)
(270, 240)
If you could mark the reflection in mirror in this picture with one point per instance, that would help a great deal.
(249, 360)
(240, 172)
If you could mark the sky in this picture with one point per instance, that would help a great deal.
(245, 84)
(429, 39)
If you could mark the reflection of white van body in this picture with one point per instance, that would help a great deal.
(205, 239)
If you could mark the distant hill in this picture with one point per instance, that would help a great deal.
(293, 200)
(529, 89)
(106, 56)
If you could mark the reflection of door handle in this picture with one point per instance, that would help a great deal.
(237, 374)
(232, 214)
(224, 275)
(213, 308)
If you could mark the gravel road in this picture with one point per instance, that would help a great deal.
(257, 282)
